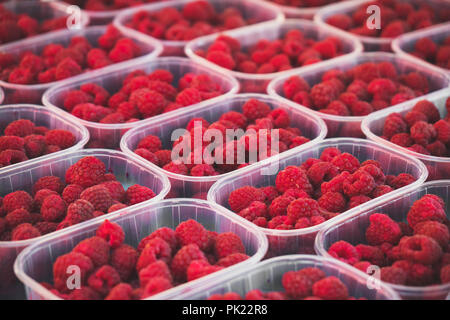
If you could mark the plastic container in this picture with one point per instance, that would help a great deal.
(110, 134)
(34, 264)
(299, 12)
(254, 82)
(266, 276)
(302, 240)
(353, 227)
(188, 186)
(127, 170)
(404, 44)
(2, 96)
(348, 7)
(32, 93)
(340, 126)
(43, 10)
(42, 116)
(258, 10)
(372, 126)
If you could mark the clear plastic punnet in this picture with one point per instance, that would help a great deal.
(42, 116)
(164, 127)
(261, 11)
(340, 126)
(372, 126)
(128, 171)
(32, 93)
(266, 276)
(110, 134)
(264, 174)
(404, 44)
(348, 7)
(34, 265)
(353, 227)
(2, 96)
(43, 10)
(255, 82)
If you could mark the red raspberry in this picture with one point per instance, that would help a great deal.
(84, 293)
(188, 96)
(296, 285)
(24, 231)
(382, 229)
(137, 194)
(302, 208)
(98, 196)
(423, 133)
(361, 108)
(362, 265)
(67, 68)
(40, 196)
(228, 243)
(156, 285)
(149, 102)
(270, 193)
(322, 171)
(49, 182)
(124, 259)
(46, 227)
(402, 139)
(442, 128)
(156, 269)
(164, 233)
(333, 202)
(445, 274)
(155, 249)
(35, 145)
(330, 288)
(11, 142)
(112, 233)
(17, 200)
(322, 94)
(420, 249)
(104, 279)
(178, 168)
(183, 259)
(255, 210)
(232, 259)
(19, 128)
(435, 230)
(335, 184)
(122, 291)
(403, 179)
(71, 193)
(90, 112)
(344, 251)
(428, 109)
(62, 265)
(414, 116)
(96, 249)
(203, 170)
(241, 198)
(254, 109)
(79, 211)
(200, 268)
(222, 59)
(372, 254)
(341, 21)
(53, 208)
(279, 205)
(346, 162)
(393, 275)
(191, 231)
(360, 183)
(86, 172)
(61, 138)
(293, 177)
(164, 157)
(380, 191)
(394, 124)
(151, 143)
(294, 85)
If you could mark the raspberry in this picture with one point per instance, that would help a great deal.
(445, 274)
(322, 94)
(200, 268)
(394, 124)
(372, 254)
(346, 162)
(34, 145)
(393, 275)
(344, 251)
(428, 109)
(279, 205)
(156, 285)
(232, 259)
(435, 230)
(19, 128)
(17, 200)
(98, 196)
(112, 233)
(183, 259)
(293, 177)
(222, 59)
(442, 128)
(255, 210)
(241, 198)
(46, 227)
(49, 182)
(124, 259)
(155, 249)
(426, 209)
(382, 229)
(321, 171)
(53, 208)
(333, 202)
(363, 266)
(137, 194)
(420, 249)
(380, 190)
(122, 291)
(104, 279)
(151, 143)
(423, 133)
(90, 112)
(24, 231)
(341, 21)
(203, 170)
(96, 249)
(86, 172)
(84, 293)
(71, 193)
(61, 138)
(11, 142)
(40, 196)
(254, 109)
(403, 179)
(360, 183)
(164, 233)
(297, 286)
(335, 184)
(79, 211)
(62, 265)
(294, 85)
(149, 102)
(302, 208)
(402, 139)
(228, 243)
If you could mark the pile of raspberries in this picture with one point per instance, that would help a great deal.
(316, 191)
(15, 26)
(107, 5)
(306, 284)
(57, 62)
(304, 3)
(141, 96)
(23, 140)
(397, 17)
(88, 192)
(292, 50)
(363, 89)
(255, 116)
(195, 19)
(113, 270)
(412, 253)
(433, 52)
(421, 130)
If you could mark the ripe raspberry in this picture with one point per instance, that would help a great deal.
(34, 145)
(393, 275)
(24, 231)
(61, 138)
(49, 182)
(360, 183)
(380, 190)
(46, 227)
(382, 229)
(344, 251)
(445, 274)
(423, 133)
(137, 194)
(149, 102)
(71, 193)
(53, 208)
(294, 85)
(279, 205)
(363, 266)
(232, 259)
(167, 234)
(394, 124)
(84, 293)
(255, 210)
(228, 243)
(222, 59)
(188, 97)
(156, 269)
(420, 249)
(164, 157)
(435, 230)
(322, 94)
(104, 279)
(426, 209)
(346, 162)
(302, 208)
(183, 259)
(61, 265)
(122, 291)
(179, 168)
(86, 172)
(40, 196)
(124, 259)
(17, 200)
(402, 139)
(293, 177)
(155, 249)
(322, 171)
(79, 211)
(151, 143)
(200, 268)
(156, 285)
(372, 254)
(428, 109)
(98, 196)
(11, 142)
(112, 233)
(330, 288)
(254, 109)
(335, 184)
(19, 128)
(296, 285)
(241, 198)
(333, 202)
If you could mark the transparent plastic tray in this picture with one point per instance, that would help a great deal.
(340, 126)
(372, 126)
(404, 44)
(42, 116)
(41, 10)
(348, 7)
(187, 186)
(110, 134)
(302, 240)
(353, 227)
(254, 82)
(260, 10)
(2, 96)
(32, 93)
(34, 264)
(127, 170)
(266, 276)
